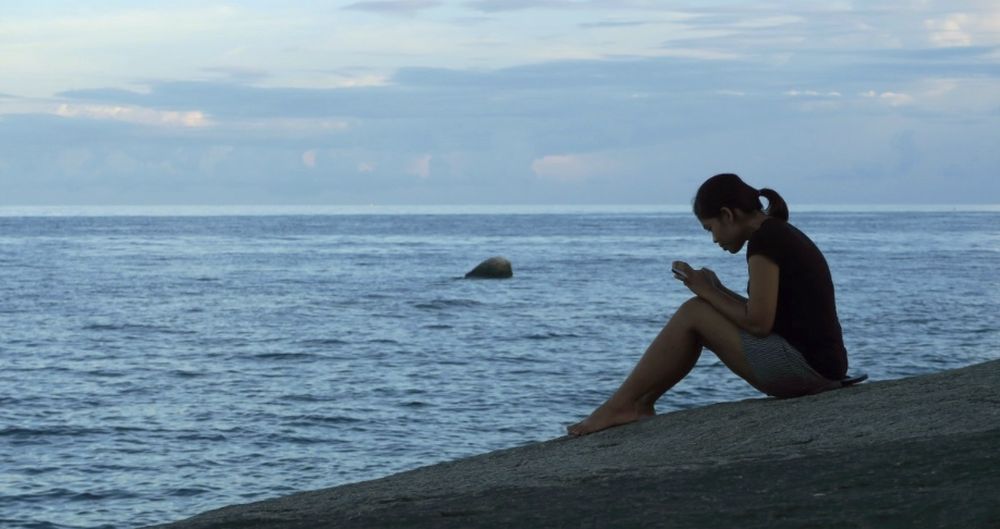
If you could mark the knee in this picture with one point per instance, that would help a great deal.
(691, 308)
(694, 304)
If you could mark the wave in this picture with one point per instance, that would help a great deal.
(186, 492)
(134, 327)
(55, 431)
(321, 420)
(183, 373)
(106, 373)
(550, 335)
(299, 440)
(65, 494)
(305, 398)
(388, 341)
(218, 437)
(445, 304)
(286, 356)
(322, 342)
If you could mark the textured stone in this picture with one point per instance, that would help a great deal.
(916, 452)
(492, 268)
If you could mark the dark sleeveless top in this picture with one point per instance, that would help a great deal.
(807, 312)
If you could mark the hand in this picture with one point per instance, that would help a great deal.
(700, 282)
(713, 279)
(680, 270)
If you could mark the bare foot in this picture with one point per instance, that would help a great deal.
(611, 414)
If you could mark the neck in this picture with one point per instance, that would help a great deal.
(756, 219)
(753, 221)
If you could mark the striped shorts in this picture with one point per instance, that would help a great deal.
(779, 369)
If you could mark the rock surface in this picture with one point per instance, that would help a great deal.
(492, 268)
(917, 452)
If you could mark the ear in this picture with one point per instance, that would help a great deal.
(727, 215)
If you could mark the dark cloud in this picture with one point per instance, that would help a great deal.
(405, 7)
(961, 53)
(492, 6)
(567, 105)
(627, 87)
(238, 74)
(971, 61)
(43, 129)
(614, 24)
(556, 90)
(485, 128)
(517, 5)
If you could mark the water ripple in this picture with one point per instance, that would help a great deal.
(158, 367)
(446, 304)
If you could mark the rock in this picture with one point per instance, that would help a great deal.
(492, 268)
(914, 453)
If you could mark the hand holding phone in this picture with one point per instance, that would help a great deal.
(678, 269)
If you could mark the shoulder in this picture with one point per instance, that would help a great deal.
(774, 225)
(770, 229)
(773, 239)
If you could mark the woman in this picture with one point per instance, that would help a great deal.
(785, 340)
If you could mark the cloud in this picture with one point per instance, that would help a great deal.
(949, 31)
(939, 87)
(614, 24)
(309, 158)
(291, 127)
(138, 115)
(894, 99)
(420, 166)
(243, 102)
(213, 157)
(339, 80)
(571, 167)
(393, 7)
(238, 73)
(74, 160)
(811, 93)
(493, 6)
(704, 54)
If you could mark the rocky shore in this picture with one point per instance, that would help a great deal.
(913, 453)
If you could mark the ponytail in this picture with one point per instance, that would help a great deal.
(729, 191)
(776, 206)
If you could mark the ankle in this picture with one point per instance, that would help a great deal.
(647, 401)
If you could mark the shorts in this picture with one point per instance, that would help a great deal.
(780, 369)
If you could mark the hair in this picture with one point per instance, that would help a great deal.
(730, 191)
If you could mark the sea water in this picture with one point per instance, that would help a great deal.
(157, 363)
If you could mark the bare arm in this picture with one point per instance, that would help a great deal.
(726, 291)
(754, 315)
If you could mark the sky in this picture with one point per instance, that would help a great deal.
(497, 101)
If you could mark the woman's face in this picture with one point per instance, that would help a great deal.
(725, 231)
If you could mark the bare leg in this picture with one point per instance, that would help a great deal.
(667, 360)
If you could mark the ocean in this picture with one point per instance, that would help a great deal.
(159, 362)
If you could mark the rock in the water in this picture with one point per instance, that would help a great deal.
(492, 268)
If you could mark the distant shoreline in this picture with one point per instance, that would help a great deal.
(306, 210)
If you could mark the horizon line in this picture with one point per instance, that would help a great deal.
(440, 209)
